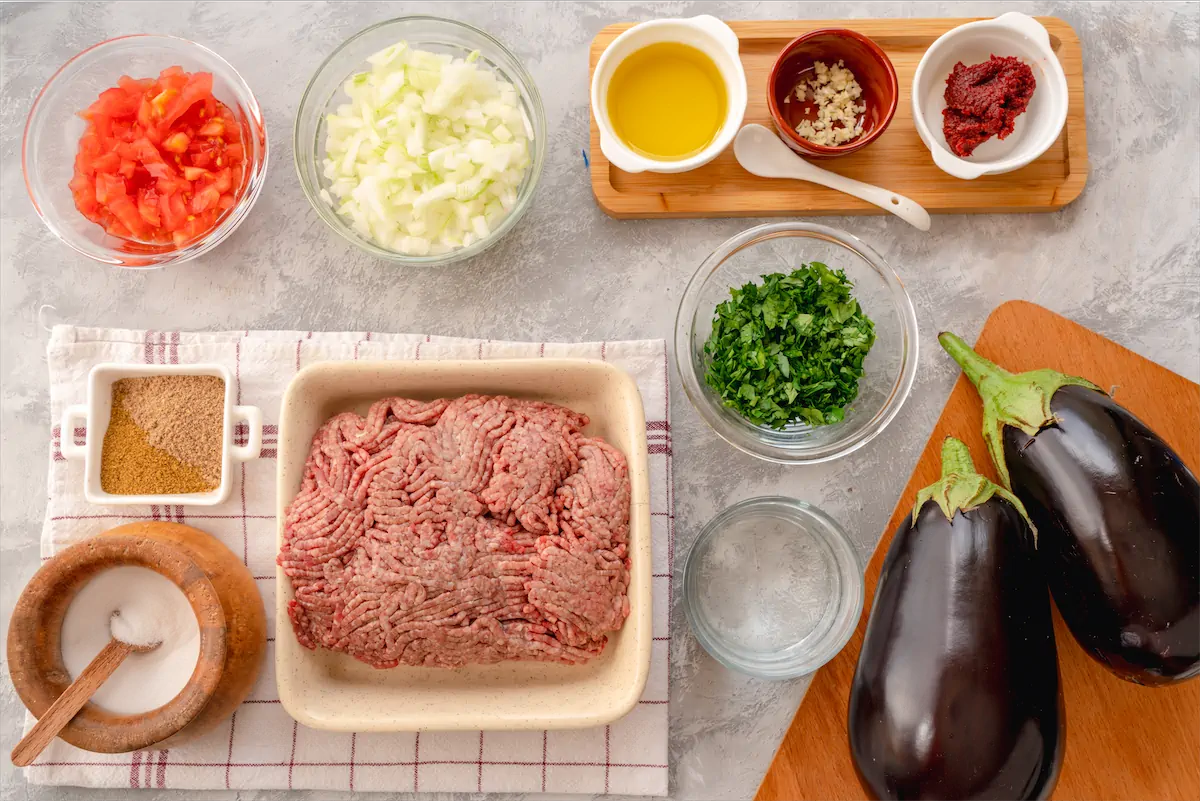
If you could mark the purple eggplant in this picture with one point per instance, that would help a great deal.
(1117, 511)
(956, 693)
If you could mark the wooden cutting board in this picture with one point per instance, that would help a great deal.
(1123, 741)
(897, 160)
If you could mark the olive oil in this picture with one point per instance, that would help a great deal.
(667, 101)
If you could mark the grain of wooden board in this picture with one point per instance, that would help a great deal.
(897, 161)
(1123, 741)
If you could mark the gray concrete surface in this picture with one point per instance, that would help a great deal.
(1122, 260)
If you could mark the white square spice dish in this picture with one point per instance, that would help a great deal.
(98, 411)
(327, 690)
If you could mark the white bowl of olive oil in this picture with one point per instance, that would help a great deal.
(669, 95)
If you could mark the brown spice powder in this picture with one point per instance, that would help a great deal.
(165, 436)
(130, 465)
(183, 415)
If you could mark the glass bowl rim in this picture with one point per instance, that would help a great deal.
(209, 240)
(533, 98)
(822, 528)
(706, 406)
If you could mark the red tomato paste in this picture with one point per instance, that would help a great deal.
(984, 100)
(161, 159)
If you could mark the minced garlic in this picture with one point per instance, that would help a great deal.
(835, 92)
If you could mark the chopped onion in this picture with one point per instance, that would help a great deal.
(429, 153)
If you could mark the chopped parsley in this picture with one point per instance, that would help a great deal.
(790, 349)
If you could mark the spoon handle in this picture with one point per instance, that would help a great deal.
(906, 209)
(70, 702)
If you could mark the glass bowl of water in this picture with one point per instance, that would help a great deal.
(773, 588)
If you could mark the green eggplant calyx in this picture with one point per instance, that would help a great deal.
(1020, 400)
(961, 489)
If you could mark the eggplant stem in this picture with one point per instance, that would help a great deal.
(961, 489)
(1019, 400)
(977, 368)
(956, 458)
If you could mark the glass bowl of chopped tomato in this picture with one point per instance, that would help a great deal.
(144, 151)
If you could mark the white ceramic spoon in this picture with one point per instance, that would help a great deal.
(761, 152)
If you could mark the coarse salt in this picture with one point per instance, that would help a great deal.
(142, 621)
(152, 608)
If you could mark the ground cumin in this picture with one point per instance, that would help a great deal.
(166, 436)
(130, 465)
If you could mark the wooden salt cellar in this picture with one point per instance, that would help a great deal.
(221, 591)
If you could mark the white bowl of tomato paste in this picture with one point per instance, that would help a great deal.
(144, 151)
(990, 97)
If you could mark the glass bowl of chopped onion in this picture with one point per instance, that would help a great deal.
(421, 140)
(796, 342)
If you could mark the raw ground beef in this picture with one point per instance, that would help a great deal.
(452, 532)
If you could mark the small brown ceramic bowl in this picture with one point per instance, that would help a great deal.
(871, 67)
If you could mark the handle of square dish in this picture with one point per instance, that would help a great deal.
(1027, 26)
(252, 415)
(66, 432)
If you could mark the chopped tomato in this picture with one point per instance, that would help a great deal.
(205, 199)
(84, 192)
(194, 91)
(176, 142)
(195, 226)
(126, 212)
(147, 205)
(80, 183)
(173, 185)
(223, 180)
(114, 227)
(213, 127)
(161, 161)
(90, 144)
(145, 113)
(103, 126)
(112, 103)
(134, 87)
(109, 162)
(160, 102)
(109, 188)
(173, 210)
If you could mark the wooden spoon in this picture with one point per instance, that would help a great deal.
(74, 697)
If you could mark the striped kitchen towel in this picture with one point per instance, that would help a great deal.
(261, 747)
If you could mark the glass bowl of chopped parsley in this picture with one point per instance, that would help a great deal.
(796, 342)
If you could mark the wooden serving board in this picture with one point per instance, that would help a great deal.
(1123, 741)
(898, 160)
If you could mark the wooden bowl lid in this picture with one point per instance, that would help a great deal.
(35, 656)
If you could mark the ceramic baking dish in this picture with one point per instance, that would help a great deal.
(328, 690)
